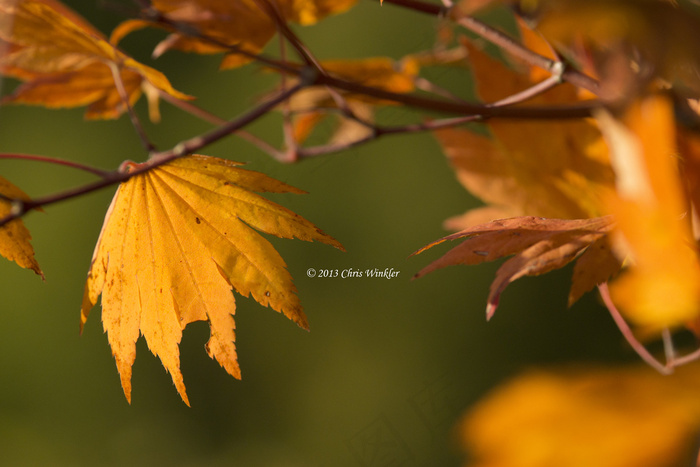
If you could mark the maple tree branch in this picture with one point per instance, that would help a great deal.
(485, 111)
(53, 160)
(379, 131)
(22, 207)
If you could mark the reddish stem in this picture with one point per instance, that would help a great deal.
(52, 160)
(628, 334)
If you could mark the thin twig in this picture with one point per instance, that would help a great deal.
(119, 83)
(529, 93)
(53, 160)
(685, 359)
(378, 131)
(207, 116)
(274, 14)
(290, 142)
(669, 350)
(628, 334)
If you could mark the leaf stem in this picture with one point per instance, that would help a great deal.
(628, 334)
(119, 83)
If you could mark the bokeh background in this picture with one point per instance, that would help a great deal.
(389, 365)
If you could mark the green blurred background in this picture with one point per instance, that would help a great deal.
(389, 365)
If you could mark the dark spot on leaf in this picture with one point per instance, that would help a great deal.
(196, 219)
(267, 294)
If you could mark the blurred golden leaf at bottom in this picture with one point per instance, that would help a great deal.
(603, 417)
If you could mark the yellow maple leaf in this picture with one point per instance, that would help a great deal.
(66, 62)
(662, 286)
(240, 23)
(14, 237)
(603, 417)
(175, 241)
(542, 168)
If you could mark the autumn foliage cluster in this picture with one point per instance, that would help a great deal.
(583, 146)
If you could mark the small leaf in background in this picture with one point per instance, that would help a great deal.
(175, 241)
(540, 245)
(14, 237)
(661, 288)
(316, 103)
(603, 417)
(241, 23)
(65, 62)
(539, 168)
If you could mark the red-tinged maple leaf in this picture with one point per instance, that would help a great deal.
(65, 62)
(540, 245)
(240, 23)
(543, 168)
(175, 241)
(15, 240)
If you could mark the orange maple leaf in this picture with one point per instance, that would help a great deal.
(241, 23)
(540, 245)
(607, 417)
(67, 63)
(661, 288)
(175, 241)
(540, 168)
(15, 239)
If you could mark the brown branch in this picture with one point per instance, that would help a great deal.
(379, 131)
(20, 208)
(315, 75)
